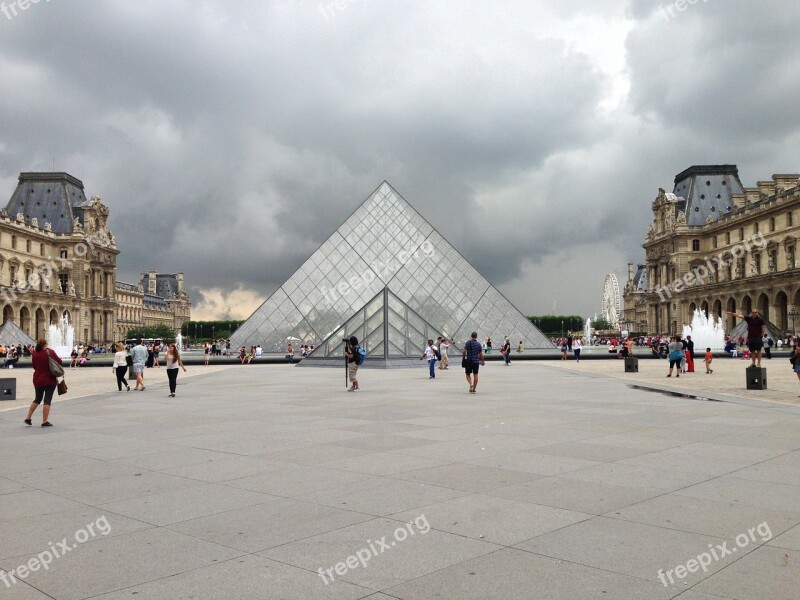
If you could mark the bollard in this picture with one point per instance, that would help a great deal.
(631, 364)
(756, 378)
(8, 388)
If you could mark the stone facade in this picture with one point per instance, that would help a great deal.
(158, 299)
(716, 246)
(57, 257)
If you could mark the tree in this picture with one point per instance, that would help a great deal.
(156, 331)
(555, 324)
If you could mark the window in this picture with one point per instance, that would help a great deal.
(714, 241)
(789, 219)
(63, 281)
(741, 234)
(14, 242)
(727, 237)
(695, 245)
(27, 246)
(63, 253)
(755, 227)
(41, 249)
(772, 224)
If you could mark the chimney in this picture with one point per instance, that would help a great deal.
(630, 272)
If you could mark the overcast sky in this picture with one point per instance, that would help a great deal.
(230, 139)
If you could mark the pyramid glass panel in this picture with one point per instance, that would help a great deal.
(388, 274)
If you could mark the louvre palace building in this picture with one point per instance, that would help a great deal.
(58, 258)
(717, 246)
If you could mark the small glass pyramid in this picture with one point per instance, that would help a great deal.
(385, 253)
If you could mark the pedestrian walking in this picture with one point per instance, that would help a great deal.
(156, 351)
(173, 362)
(444, 348)
(689, 354)
(139, 356)
(430, 355)
(676, 355)
(564, 349)
(206, 351)
(355, 358)
(472, 359)
(756, 330)
(44, 382)
(576, 349)
(506, 352)
(120, 366)
(767, 346)
(708, 359)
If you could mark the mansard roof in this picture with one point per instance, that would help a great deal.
(53, 198)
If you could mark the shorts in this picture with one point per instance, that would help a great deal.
(352, 370)
(755, 345)
(138, 367)
(44, 392)
(472, 369)
(675, 362)
(796, 367)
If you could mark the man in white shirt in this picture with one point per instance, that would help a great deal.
(430, 355)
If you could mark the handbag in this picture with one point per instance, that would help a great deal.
(465, 362)
(56, 370)
(129, 360)
(62, 387)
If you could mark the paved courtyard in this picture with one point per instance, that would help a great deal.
(274, 482)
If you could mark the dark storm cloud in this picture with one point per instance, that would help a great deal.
(230, 139)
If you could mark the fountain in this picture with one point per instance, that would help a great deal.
(179, 342)
(706, 332)
(587, 332)
(61, 337)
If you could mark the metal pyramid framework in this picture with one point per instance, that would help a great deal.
(384, 244)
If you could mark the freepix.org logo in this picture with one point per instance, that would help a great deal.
(12, 9)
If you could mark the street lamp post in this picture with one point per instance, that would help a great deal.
(562, 327)
(793, 314)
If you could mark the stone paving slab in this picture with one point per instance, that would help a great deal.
(554, 481)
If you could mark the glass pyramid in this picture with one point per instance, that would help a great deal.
(385, 245)
(386, 328)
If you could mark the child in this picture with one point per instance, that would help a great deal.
(709, 358)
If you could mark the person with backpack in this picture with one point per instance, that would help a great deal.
(430, 354)
(355, 355)
(506, 352)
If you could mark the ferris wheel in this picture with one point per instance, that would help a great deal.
(611, 300)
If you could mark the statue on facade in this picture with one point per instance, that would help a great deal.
(76, 224)
(790, 258)
(671, 222)
(48, 227)
(46, 283)
(753, 267)
(681, 218)
(20, 217)
(771, 264)
(651, 232)
(739, 268)
(71, 289)
(35, 222)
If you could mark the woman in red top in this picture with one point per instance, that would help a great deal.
(43, 381)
